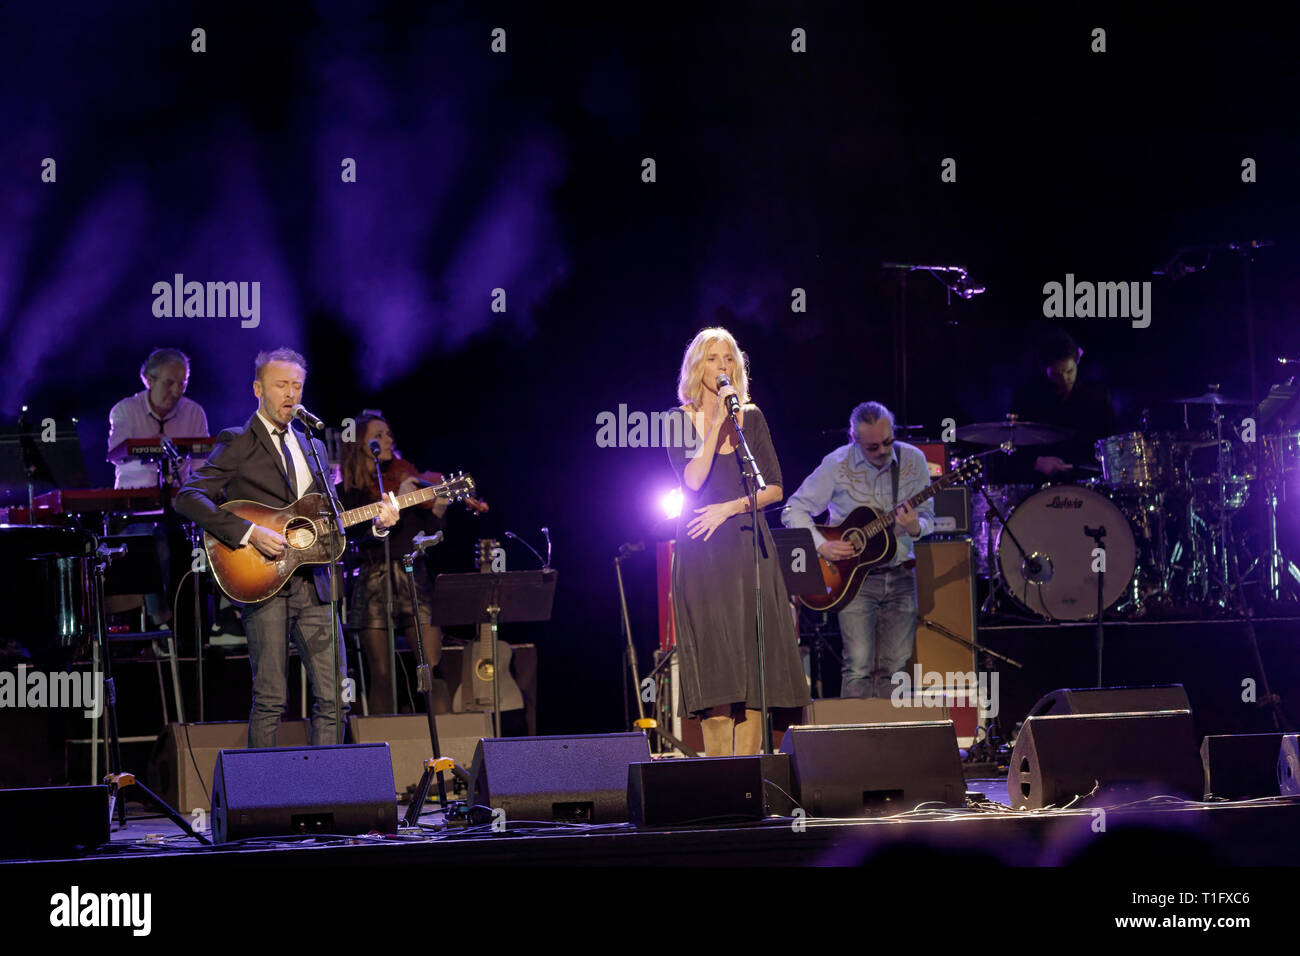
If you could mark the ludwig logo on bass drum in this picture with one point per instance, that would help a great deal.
(1059, 502)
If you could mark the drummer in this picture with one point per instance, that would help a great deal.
(1058, 397)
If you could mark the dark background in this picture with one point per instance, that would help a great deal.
(522, 171)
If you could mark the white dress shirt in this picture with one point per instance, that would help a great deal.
(133, 417)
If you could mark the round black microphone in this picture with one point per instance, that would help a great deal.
(733, 403)
(374, 447)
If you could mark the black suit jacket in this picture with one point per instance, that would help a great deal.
(246, 464)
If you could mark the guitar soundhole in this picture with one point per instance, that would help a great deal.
(855, 537)
(300, 533)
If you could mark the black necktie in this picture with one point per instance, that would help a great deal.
(162, 423)
(288, 463)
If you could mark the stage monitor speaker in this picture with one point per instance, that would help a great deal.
(1240, 766)
(862, 769)
(280, 791)
(407, 736)
(1288, 766)
(709, 790)
(828, 711)
(185, 782)
(1125, 756)
(50, 822)
(1112, 700)
(569, 779)
(945, 596)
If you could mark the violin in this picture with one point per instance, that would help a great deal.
(397, 470)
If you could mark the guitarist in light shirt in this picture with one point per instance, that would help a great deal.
(265, 461)
(879, 625)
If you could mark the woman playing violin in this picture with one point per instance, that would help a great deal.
(367, 608)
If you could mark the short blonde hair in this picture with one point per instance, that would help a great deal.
(690, 381)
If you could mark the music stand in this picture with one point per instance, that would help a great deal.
(796, 544)
(512, 597)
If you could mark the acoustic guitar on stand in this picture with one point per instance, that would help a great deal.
(248, 576)
(871, 533)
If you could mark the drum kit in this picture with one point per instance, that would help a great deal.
(1165, 502)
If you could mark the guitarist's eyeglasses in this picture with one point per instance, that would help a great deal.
(877, 446)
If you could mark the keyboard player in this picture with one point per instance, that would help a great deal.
(161, 408)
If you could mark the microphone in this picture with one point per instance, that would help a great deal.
(169, 448)
(629, 547)
(308, 418)
(733, 403)
(374, 446)
(422, 542)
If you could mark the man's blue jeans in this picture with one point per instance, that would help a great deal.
(878, 628)
(295, 611)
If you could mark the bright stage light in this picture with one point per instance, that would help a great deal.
(671, 503)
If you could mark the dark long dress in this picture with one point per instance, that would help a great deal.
(713, 590)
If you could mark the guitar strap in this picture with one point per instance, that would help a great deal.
(893, 477)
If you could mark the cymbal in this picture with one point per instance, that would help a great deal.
(1210, 398)
(1021, 433)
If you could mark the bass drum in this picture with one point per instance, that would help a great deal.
(1057, 580)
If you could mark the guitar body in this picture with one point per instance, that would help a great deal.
(844, 578)
(247, 575)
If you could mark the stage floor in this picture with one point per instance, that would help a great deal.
(1262, 832)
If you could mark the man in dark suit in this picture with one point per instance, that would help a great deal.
(266, 461)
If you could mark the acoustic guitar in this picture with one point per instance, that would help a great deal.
(870, 531)
(248, 576)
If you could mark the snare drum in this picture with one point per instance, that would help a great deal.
(1135, 461)
(1050, 527)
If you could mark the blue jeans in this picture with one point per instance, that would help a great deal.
(878, 628)
(296, 611)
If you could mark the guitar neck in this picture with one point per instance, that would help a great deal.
(371, 511)
(922, 496)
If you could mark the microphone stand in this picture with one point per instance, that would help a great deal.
(437, 767)
(167, 498)
(336, 534)
(1097, 534)
(388, 597)
(754, 483)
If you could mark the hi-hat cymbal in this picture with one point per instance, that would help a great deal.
(1019, 433)
(1210, 398)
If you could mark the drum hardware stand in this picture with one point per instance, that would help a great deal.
(1033, 565)
(1266, 699)
(1098, 534)
(649, 725)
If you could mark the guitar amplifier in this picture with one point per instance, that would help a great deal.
(952, 510)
